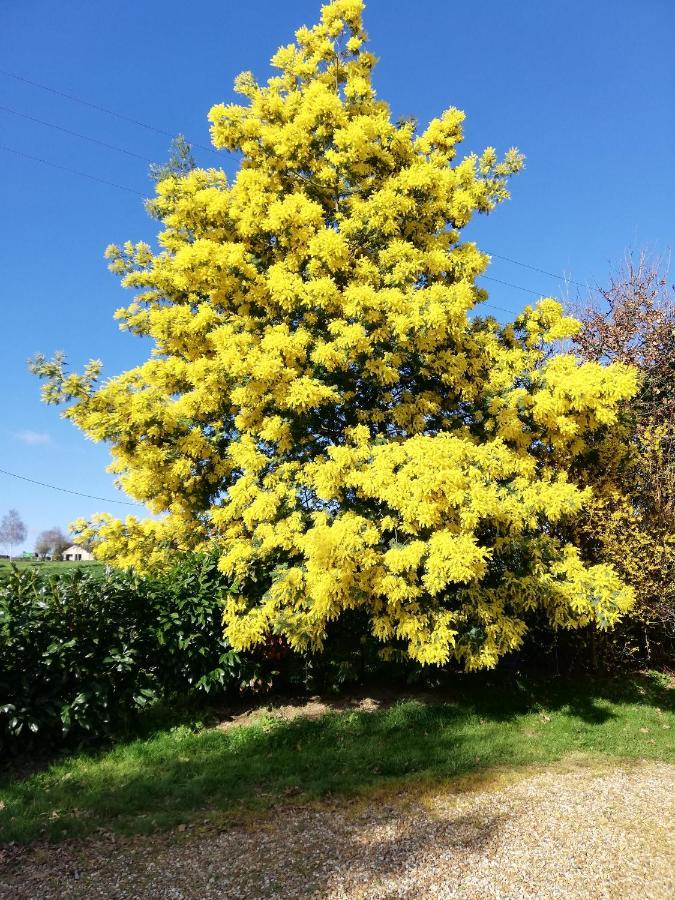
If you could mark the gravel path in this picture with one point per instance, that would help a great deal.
(566, 832)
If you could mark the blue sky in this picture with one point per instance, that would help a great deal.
(585, 90)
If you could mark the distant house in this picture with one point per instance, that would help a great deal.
(76, 554)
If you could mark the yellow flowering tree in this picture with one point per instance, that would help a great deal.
(324, 404)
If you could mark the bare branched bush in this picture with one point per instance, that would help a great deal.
(631, 521)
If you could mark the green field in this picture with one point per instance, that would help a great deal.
(49, 566)
(192, 770)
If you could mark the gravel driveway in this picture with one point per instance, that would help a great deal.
(571, 831)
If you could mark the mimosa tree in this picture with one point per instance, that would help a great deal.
(324, 402)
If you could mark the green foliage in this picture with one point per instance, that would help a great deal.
(81, 653)
(180, 161)
(187, 610)
(83, 649)
(352, 656)
(189, 773)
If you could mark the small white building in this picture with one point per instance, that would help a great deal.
(76, 554)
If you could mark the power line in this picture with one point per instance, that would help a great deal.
(53, 165)
(77, 134)
(98, 107)
(138, 122)
(122, 187)
(68, 491)
(516, 286)
(138, 193)
(483, 305)
(517, 262)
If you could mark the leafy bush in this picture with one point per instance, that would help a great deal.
(641, 547)
(81, 654)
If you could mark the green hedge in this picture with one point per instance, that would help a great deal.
(81, 654)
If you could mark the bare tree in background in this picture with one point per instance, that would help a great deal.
(51, 542)
(632, 320)
(12, 530)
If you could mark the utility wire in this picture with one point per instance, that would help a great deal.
(77, 134)
(484, 305)
(122, 187)
(54, 165)
(103, 109)
(536, 269)
(67, 491)
(99, 108)
(516, 286)
(138, 193)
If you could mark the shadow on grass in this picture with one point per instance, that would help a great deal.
(183, 773)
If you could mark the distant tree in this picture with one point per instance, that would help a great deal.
(42, 545)
(51, 542)
(632, 320)
(60, 542)
(12, 530)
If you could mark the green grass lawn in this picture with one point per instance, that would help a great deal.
(50, 567)
(191, 772)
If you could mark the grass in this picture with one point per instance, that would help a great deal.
(189, 773)
(50, 567)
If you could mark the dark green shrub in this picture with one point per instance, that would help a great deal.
(81, 654)
(191, 651)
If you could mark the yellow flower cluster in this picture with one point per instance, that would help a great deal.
(324, 402)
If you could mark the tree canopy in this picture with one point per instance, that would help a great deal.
(325, 403)
(51, 542)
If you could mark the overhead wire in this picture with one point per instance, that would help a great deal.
(77, 134)
(123, 117)
(511, 285)
(139, 194)
(116, 148)
(147, 126)
(517, 262)
(54, 165)
(55, 487)
(104, 109)
(138, 122)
